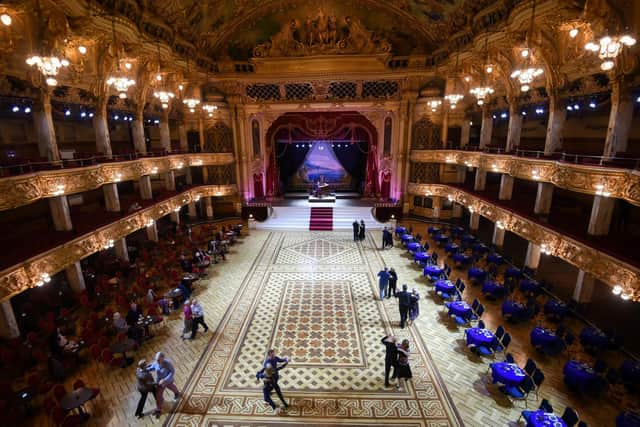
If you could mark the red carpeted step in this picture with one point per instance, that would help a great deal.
(321, 219)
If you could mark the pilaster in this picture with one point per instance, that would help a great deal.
(122, 251)
(474, 221)
(601, 213)
(515, 127)
(544, 197)
(555, 126)
(506, 187)
(59, 207)
(111, 197)
(486, 130)
(75, 277)
(152, 232)
(481, 180)
(146, 191)
(45, 130)
(620, 118)
(532, 259)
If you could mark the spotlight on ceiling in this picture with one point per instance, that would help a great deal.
(82, 49)
(6, 19)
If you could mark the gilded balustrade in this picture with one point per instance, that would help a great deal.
(604, 267)
(24, 189)
(25, 275)
(614, 182)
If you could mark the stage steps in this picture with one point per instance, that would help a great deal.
(297, 218)
(321, 219)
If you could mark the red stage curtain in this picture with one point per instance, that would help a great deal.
(385, 187)
(372, 186)
(258, 189)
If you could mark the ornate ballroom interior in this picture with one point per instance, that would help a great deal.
(156, 152)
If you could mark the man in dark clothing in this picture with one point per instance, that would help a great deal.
(146, 385)
(356, 230)
(392, 283)
(404, 301)
(390, 357)
(270, 376)
(361, 230)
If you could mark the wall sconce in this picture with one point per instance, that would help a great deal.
(150, 223)
(44, 278)
(176, 210)
(625, 296)
(494, 167)
(59, 190)
(109, 244)
(450, 160)
(180, 165)
(154, 170)
(118, 177)
(197, 199)
(250, 216)
(535, 175)
(500, 225)
(545, 249)
(600, 191)
(617, 290)
(197, 162)
(393, 216)
(470, 209)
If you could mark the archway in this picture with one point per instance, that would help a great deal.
(339, 148)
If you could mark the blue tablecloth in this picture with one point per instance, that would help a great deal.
(579, 375)
(555, 306)
(514, 309)
(476, 273)
(628, 419)
(460, 308)
(493, 288)
(406, 238)
(432, 270)
(480, 248)
(444, 286)
(508, 374)
(530, 286)
(451, 248)
(457, 231)
(544, 337)
(441, 238)
(468, 238)
(421, 257)
(545, 419)
(401, 230)
(478, 337)
(592, 337)
(433, 230)
(413, 247)
(462, 258)
(513, 272)
(630, 371)
(494, 258)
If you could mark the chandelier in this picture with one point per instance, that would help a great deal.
(481, 93)
(608, 49)
(119, 79)
(209, 108)
(192, 96)
(192, 103)
(49, 66)
(526, 76)
(164, 97)
(453, 94)
(434, 104)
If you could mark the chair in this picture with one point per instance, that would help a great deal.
(509, 358)
(108, 358)
(544, 406)
(95, 392)
(582, 424)
(530, 367)
(502, 345)
(475, 304)
(570, 417)
(499, 333)
(538, 379)
(520, 392)
(462, 287)
(480, 324)
(478, 313)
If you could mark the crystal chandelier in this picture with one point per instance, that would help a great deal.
(526, 76)
(434, 104)
(608, 49)
(481, 93)
(453, 94)
(164, 97)
(209, 108)
(119, 79)
(48, 66)
(192, 103)
(192, 97)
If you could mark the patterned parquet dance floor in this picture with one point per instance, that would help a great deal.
(312, 296)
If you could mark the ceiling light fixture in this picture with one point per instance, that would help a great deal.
(482, 91)
(573, 33)
(6, 20)
(82, 49)
(119, 79)
(528, 72)
(608, 48)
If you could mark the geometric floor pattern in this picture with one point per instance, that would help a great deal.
(313, 297)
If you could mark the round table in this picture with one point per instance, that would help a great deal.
(494, 258)
(460, 308)
(468, 238)
(545, 419)
(593, 337)
(400, 230)
(579, 374)
(432, 270)
(480, 248)
(513, 272)
(478, 337)
(513, 309)
(544, 337)
(462, 258)
(433, 230)
(75, 399)
(190, 277)
(508, 374)
(421, 257)
(451, 248)
(406, 238)
(492, 288)
(413, 247)
(441, 238)
(444, 286)
(530, 286)
(556, 307)
(476, 273)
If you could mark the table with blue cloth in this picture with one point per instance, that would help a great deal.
(468, 238)
(457, 231)
(406, 238)
(513, 272)
(547, 339)
(475, 273)
(528, 285)
(413, 247)
(400, 230)
(433, 230)
(555, 307)
(421, 257)
(581, 376)
(441, 238)
(628, 419)
(506, 373)
(432, 271)
(593, 337)
(460, 309)
(480, 337)
(514, 310)
(494, 258)
(451, 248)
(630, 371)
(444, 286)
(545, 419)
(480, 248)
(462, 259)
(493, 288)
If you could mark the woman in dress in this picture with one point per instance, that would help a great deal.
(362, 229)
(403, 370)
(414, 307)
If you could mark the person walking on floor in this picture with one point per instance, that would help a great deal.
(383, 281)
(403, 370)
(404, 302)
(197, 315)
(390, 356)
(164, 378)
(389, 242)
(146, 385)
(361, 230)
(414, 306)
(356, 230)
(188, 320)
(269, 375)
(393, 279)
(384, 238)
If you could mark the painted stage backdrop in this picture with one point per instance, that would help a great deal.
(321, 163)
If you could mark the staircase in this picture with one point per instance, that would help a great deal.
(298, 218)
(321, 219)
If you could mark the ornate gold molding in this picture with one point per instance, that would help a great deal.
(25, 275)
(614, 182)
(604, 267)
(24, 189)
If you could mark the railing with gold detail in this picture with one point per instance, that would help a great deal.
(27, 274)
(603, 266)
(24, 189)
(591, 179)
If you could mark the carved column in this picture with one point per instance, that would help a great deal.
(152, 232)
(182, 135)
(474, 221)
(75, 277)
(146, 191)
(532, 259)
(242, 159)
(481, 179)
(208, 207)
(543, 199)
(583, 291)
(170, 180)
(45, 130)
(165, 133)
(457, 210)
(620, 118)
(175, 217)
(515, 126)
(8, 324)
(444, 131)
(101, 127)
(111, 197)
(486, 131)
(137, 129)
(506, 187)
(557, 118)
(59, 207)
(201, 132)
(437, 206)
(465, 133)
(498, 235)
(121, 248)
(601, 214)
(192, 211)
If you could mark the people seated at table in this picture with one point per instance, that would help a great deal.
(120, 324)
(61, 344)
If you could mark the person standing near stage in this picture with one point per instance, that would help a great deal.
(390, 356)
(383, 281)
(414, 306)
(404, 302)
(362, 229)
(385, 238)
(356, 230)
(392, 282)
